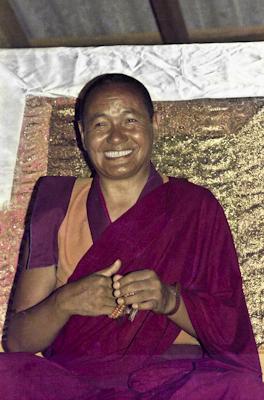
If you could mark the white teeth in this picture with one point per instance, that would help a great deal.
(116, 154)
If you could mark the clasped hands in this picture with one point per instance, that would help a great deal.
(143, 290)
(99, 293)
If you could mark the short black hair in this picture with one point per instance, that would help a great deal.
(107, 79)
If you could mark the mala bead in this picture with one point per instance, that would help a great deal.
(117, 312)
(120, 309)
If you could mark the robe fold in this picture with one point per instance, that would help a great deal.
(179, 230)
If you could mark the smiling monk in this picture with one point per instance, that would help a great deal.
(120, 267)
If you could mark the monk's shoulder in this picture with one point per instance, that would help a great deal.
(192, 192)
(55, 183)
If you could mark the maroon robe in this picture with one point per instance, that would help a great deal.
(180, 231)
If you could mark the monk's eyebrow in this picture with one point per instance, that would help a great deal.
(132, 111)
(95, 116)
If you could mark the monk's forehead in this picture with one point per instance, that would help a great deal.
(117, 94)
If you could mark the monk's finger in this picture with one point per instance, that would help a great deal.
(96, 280)
(116, 278)
(111, 270)
(109, 302)
(98, 293)
(136, 276)
(137, 297)
(108, 292)
(150, 305)
(136, 286)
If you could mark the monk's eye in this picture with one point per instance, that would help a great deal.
(131, 120)
(100, 124)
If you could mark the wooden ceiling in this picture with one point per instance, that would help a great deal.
(49, 23)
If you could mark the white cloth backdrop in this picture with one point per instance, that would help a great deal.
(171, 72)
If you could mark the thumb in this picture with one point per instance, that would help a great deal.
(109, 271)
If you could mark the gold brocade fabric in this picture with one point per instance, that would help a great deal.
(215, 143)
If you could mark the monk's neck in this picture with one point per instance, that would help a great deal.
(120, 195)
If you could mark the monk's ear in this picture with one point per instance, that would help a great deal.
(156, 121)
(80, 127)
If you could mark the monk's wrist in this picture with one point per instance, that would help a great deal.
(61, 296)
(174, 291)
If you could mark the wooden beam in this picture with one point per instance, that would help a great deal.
(100, 40)
(170, 21)
(10, 26)
(227, 34)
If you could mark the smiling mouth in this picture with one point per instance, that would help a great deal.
(117, 154)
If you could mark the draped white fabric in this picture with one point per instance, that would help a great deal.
(171, 72)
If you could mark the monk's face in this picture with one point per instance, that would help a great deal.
(118, 131)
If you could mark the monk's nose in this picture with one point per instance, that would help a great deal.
(116, 135)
